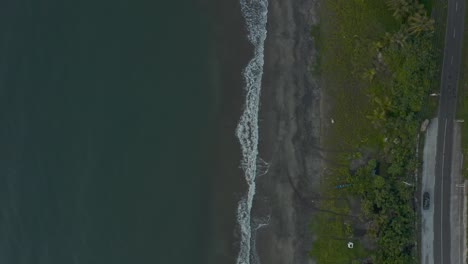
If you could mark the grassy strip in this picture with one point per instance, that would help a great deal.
(348, 31)
(379, 85)
(439, 13)
(462, 106)
(335, 231)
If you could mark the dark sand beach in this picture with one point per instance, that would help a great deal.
(290, 131)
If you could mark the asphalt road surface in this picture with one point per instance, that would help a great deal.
(446, 115)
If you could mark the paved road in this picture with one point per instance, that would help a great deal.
(457, 199)
(446, 115)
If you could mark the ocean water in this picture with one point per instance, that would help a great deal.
(129, 130)
(109, 121)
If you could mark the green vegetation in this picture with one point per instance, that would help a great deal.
(332, 248)
(377, 64)
(427, 4)
(439, 13)
(462, 106)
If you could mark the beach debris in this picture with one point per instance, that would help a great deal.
(341, 186)
(407, 184)
(380, 57)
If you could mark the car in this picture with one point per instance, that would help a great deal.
(426, 200)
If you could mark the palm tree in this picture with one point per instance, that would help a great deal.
(382, 106)
(400, 38)
(369, 74)
(420, 23)
(400, 8)
(419, 8)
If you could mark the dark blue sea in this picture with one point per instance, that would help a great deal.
(117, 131)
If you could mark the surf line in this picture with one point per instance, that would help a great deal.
(255, 15)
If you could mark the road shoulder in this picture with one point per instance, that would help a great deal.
(427, 185)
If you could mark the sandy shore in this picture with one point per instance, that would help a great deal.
(290, 130)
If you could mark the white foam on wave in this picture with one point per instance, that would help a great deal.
(255, 14)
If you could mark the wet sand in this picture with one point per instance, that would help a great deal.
(290, 131)
(231, 51)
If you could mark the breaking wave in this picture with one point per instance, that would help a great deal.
(255, 15)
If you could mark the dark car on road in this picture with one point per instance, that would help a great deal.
(426, 200)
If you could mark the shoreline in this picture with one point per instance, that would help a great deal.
(290, 134)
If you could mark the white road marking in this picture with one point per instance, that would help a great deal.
(460, 221)
(456, 6)
(442, 196)
(451, 60)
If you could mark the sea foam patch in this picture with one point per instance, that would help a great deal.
(255, 15)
